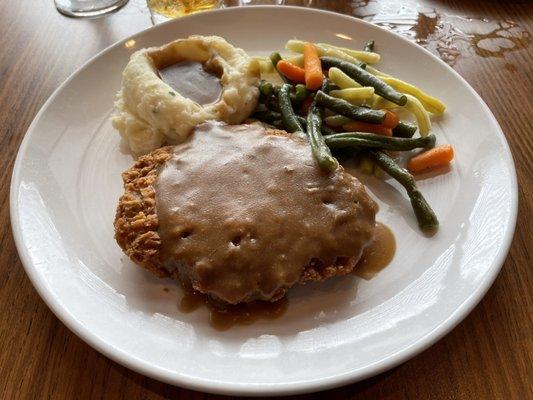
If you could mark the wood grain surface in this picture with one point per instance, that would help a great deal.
(488, 356)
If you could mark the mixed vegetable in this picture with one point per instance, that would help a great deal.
(344, 106)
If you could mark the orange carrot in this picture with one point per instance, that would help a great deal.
(391, 119)
(313, 67)
(357, 126)
(291, 71)
(433, 158)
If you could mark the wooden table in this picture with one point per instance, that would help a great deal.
(489, 355)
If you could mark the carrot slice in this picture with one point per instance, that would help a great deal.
(291, 71)
(357, 126)
(436, 157)
(313, 67)
(391, 119)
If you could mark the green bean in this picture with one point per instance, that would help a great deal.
(300, 93)
(288, 116)
(324, 129)
(327, 131)
(369, 46)
(266, 88)
(336, 120)
(326, 87)
(271, 115)
(278, 123)
(427, 220)
(274, 118)
(357, 139)
(331, 86)
(275, 58)
(277, 88)
(366, 79)
(349, 110)
(404, 130)
(321, 152)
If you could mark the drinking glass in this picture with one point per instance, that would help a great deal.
(179, 8)
(88, 8)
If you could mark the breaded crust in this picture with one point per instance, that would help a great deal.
(136, 223)
(136, 220)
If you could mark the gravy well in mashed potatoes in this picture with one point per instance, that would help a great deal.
(151, 111)
(192, 80)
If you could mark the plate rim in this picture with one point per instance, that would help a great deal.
(256, 389)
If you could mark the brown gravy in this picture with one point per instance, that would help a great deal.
(378, 254)
(242, 212)
(225, 317)
(191, 80)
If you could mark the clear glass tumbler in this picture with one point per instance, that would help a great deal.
(180, 8)
(88, 8)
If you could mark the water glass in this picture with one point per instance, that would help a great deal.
(88, 8)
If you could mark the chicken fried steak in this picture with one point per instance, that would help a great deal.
(242, 213)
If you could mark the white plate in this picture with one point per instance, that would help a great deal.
(66, 183)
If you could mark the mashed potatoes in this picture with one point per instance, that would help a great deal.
(149, 112)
